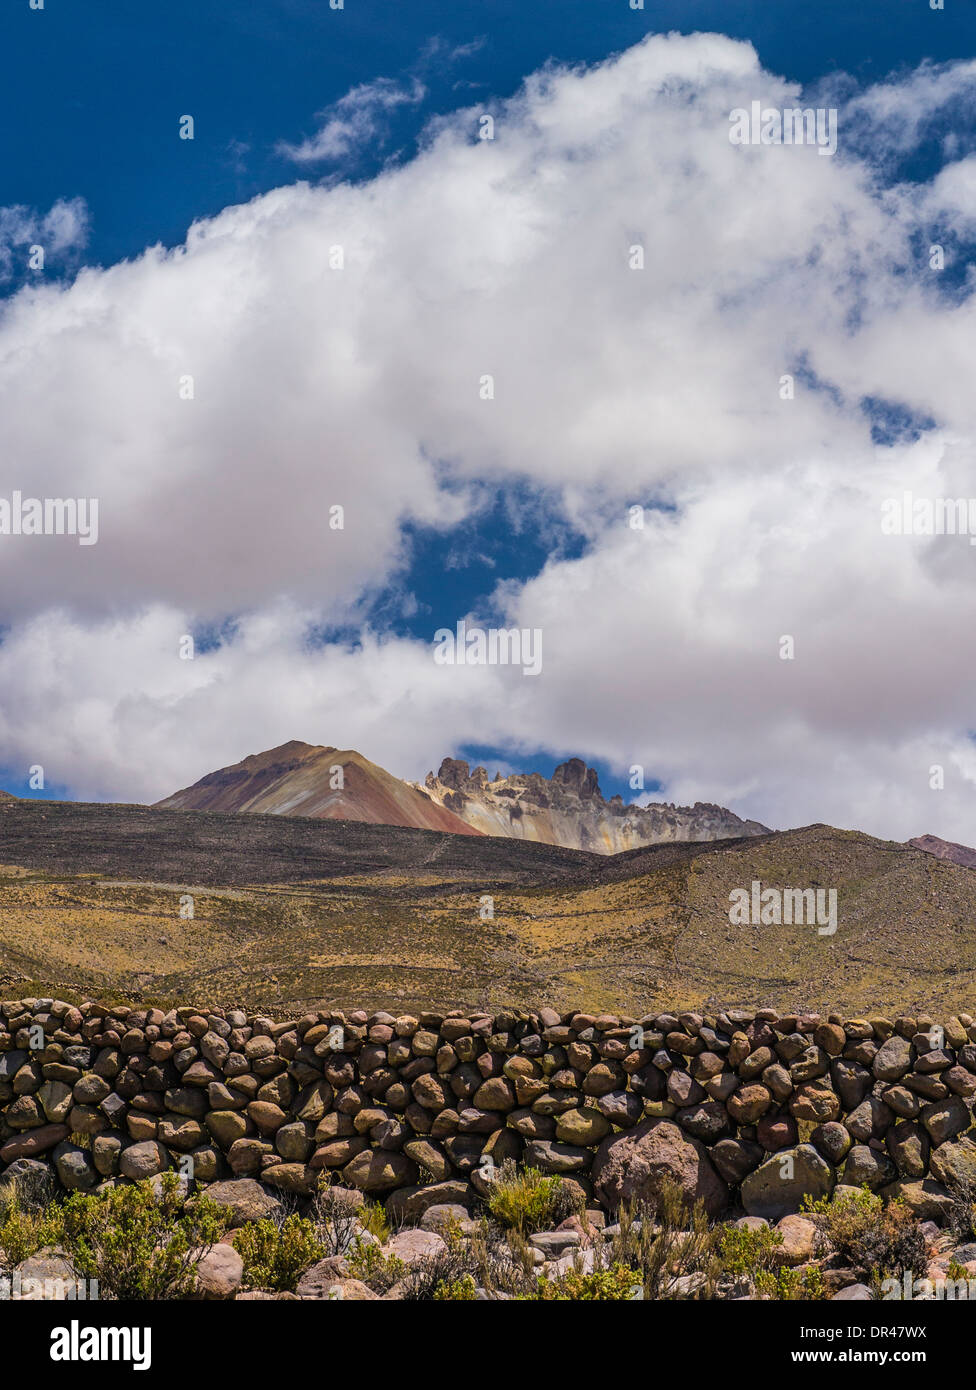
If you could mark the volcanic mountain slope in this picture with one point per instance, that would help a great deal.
(299, 779)
(569, 809)
(946, 849)
(292, 913)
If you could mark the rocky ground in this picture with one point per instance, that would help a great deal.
(446, 1244)
(473, 1155)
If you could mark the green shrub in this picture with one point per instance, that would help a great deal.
(665, 1240)
(615, 1284)
(456, 1290)
(870, 1235)
(792, 1285)
(742, 1252)
(368, 1264)
(139, 1241)
(276, 1256)
(526, 1201)
(372, 1218)
(25, 1229)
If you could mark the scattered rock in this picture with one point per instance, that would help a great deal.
(219, 1272)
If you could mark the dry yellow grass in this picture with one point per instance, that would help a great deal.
(906, 937)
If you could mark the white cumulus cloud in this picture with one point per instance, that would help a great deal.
(511, 259)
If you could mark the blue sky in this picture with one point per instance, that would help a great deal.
(91, 93)
(91, 99)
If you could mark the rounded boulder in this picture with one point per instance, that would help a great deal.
(636, 1164)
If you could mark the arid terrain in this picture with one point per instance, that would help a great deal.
(290, 913)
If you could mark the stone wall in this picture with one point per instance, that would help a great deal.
(749, 1109)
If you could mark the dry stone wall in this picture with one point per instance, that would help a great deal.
(744, 1109)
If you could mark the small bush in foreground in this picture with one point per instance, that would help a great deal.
(335, 1220)
(368, 1264)
(526, 1201)
(276, 1256)
(457, 1290)
(616, 1284)
(669, 1245)
(24, 1229)
(744, 1253)
(792, 1285)
(870, 1235)
(139, 1241)
(372, 1218)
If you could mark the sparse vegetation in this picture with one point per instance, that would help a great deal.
(25, 1227)
(380, 1271)
(671, 1248)
(872, 1236)
(139, 1240)
(962, 1214)
(459, 1290)
(373, 1220)
(526, 1201)
(335, 910)
(335, 1220)
(617, 1283)
(792, 1285)
(743, 1253)
(277, 1255)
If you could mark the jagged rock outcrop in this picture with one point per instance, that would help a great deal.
(569, 809)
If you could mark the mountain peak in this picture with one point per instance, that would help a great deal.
(945, 849)
(569, 809)
(317, 781)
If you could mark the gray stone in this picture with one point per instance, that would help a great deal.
(442, 1216)
(621, 1108)
(832, 1140)
(555, 1243)
(552, 1157)
(870, 1120)
(47, 1276)
(734, 1158)
(954, 1163)
(321, 1278)
(777, 1187)
(868, 1166)
(893, 1059)
(35, 1181)
(946, 1118)
(410, 1246)
(218, 1271)
(143, 1160)
(926, 1200)
(379, 1171)
(410, 1203)
(74, 1167)
(245, 1200)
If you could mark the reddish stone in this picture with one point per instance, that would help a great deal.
(35, 1141)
